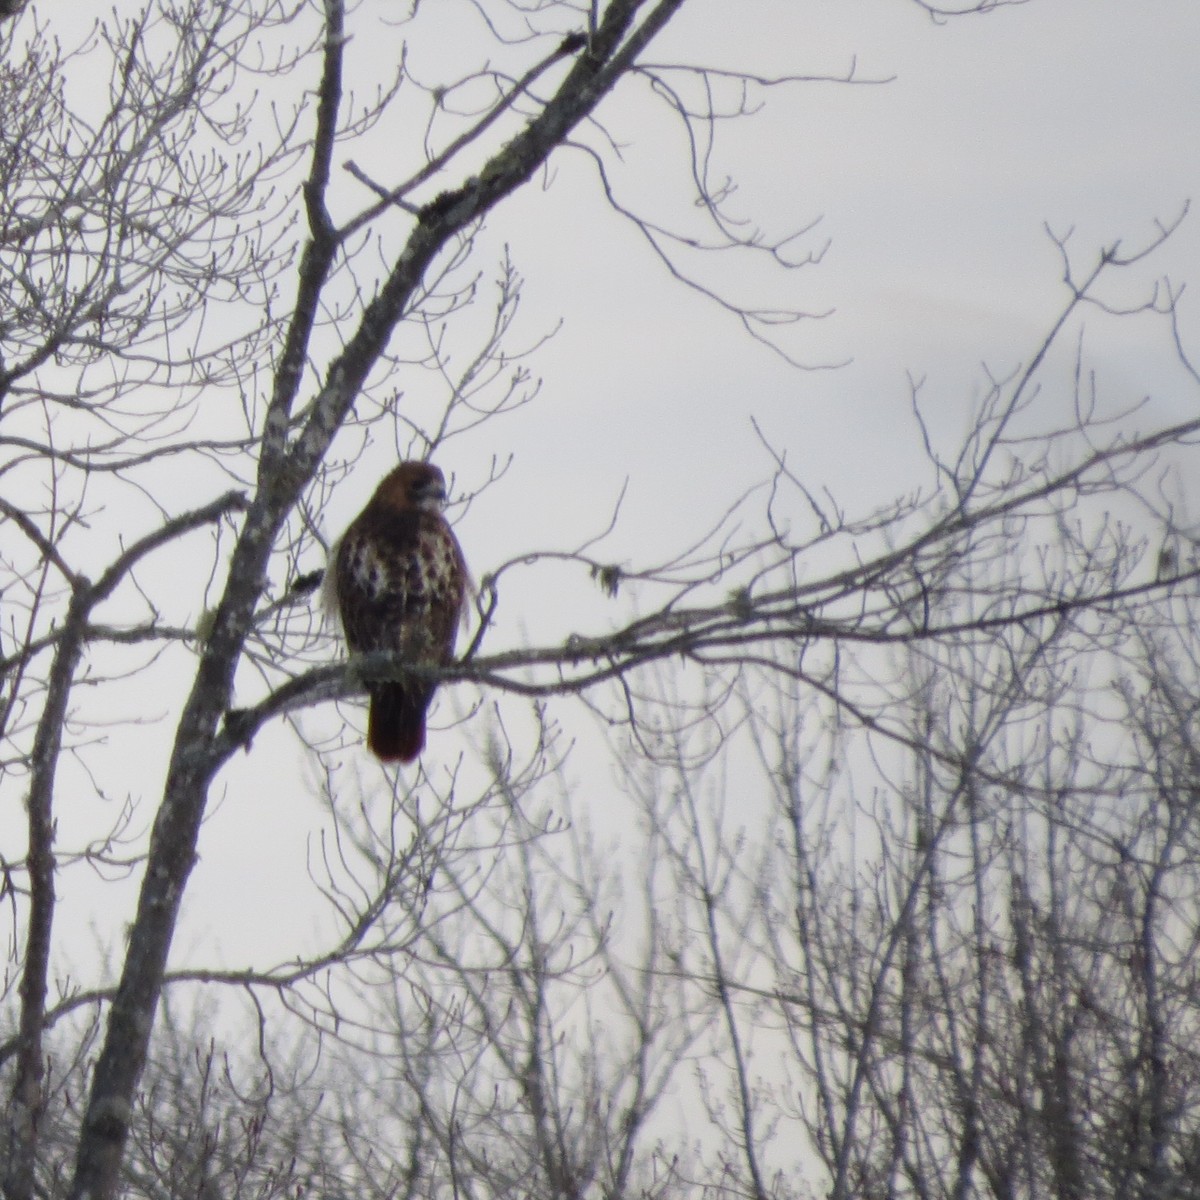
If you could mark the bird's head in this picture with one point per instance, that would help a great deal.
(418, 485)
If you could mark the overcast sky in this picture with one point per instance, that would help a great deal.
(931, 191)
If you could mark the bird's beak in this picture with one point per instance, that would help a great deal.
(430, 496)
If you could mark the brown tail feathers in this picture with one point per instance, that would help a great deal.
(396, 725)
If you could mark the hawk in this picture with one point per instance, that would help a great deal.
(400, 581)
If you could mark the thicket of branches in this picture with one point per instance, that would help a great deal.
(891, 887)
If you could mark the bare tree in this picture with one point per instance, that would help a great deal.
(980, 951)
(975, 981)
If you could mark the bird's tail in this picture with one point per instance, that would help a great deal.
(396, 725)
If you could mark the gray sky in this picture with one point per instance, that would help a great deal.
(931, 191)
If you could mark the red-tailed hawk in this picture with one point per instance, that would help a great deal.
(400, 582)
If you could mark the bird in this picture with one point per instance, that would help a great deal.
(400, 583)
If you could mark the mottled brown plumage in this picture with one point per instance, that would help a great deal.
(400, 583)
